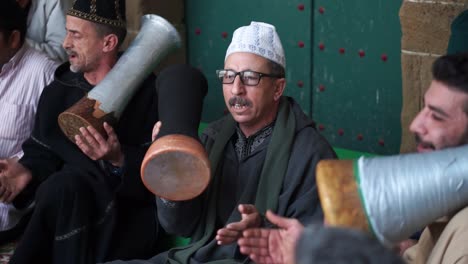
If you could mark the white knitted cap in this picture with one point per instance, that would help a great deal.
(258, 38)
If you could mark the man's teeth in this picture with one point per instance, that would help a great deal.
(238, 106)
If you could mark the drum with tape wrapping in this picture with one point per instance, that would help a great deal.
(106, 102)
(393, 197)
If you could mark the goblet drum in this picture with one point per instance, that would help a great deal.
(176, 166)
(392, 197)
(106, 102)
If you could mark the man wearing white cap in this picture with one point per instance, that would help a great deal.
(262, 155)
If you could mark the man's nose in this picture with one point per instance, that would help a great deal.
(417, 125)
(66, 42)
(237, 86)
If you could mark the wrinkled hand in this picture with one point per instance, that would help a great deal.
(268, 245)
(14, 177)
(156, 129)
(250, 219)
(97, 148)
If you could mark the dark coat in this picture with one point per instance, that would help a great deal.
(298, 197)
(119, 210)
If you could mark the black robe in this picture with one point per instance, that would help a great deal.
(85, 212)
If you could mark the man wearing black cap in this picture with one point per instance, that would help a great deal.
(90, 203)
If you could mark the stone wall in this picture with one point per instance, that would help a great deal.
(425, 28)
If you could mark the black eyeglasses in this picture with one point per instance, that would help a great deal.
(248, 78)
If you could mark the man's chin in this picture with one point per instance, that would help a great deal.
(239, 118)
(74, 69)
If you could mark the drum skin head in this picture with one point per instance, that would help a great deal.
(176, 168)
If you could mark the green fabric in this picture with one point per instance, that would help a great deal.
(351, 154)
(271, 177)
(459, 34)
(276, 160)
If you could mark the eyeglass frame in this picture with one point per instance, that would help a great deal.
(241, 74)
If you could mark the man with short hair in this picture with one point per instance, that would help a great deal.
(24, 72)
(90, 203)
(262, 156)
(442, 123)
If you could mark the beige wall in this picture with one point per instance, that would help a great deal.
(425, 28)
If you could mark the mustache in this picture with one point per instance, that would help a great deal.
(425, 144)
(239, 100)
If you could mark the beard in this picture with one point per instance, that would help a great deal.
(83, 63)
(75, 68)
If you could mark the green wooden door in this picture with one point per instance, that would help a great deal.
(342, 62)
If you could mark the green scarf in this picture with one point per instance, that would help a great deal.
(271, 178)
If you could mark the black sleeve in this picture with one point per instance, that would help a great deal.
(179, 218)
(134, 133)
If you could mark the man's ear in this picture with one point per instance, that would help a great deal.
(280, 84)
(111, 42)
(14, 40)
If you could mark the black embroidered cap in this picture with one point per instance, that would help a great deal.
(108, 12)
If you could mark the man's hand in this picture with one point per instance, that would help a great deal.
(267, 245)
(97, 148)
(14, 177)
(250, 219)
(401, 247)
(156, 129)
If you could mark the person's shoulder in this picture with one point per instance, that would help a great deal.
(307, 137)
(41, 7)
(304, 124)
(63, 80)
(451, 246)
(460, 219)
(213, 128)
(38, 60)
(309, 140)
